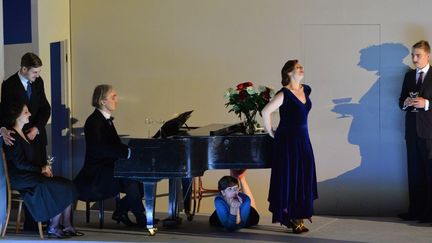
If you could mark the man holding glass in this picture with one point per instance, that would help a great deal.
(415, 99)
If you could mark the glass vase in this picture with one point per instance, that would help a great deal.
(250, 123)
(250, 127)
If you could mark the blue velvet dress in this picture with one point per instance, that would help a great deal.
(293, 184)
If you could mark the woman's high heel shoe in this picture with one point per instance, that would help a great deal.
(71, 231)
(122, 217)
(303, 227)
(298, 226)
(55, 232)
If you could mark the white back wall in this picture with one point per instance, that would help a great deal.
(53, 26)
(166, 57)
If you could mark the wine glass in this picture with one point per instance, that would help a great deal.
(160, 122)
(50, 160)
(148, 122)
(414, 95)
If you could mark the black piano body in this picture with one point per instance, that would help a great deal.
(189, 155)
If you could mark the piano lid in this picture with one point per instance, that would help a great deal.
(172, 126)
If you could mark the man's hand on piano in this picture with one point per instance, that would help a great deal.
(272, 132)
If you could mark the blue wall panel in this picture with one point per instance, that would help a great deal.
(57, 118)
(17, 21)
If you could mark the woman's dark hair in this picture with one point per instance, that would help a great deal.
(287, 68)
(100, 93)
(227, 181)
(13, 112)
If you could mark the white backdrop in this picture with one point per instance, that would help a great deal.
(166, 57)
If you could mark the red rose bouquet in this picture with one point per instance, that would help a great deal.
(246, 102)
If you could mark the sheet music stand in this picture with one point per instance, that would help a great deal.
(172, 126)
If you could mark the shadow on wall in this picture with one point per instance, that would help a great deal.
(378, 186)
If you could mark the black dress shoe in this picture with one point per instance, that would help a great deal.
(427, 219)
(122, 217)
(407, 216)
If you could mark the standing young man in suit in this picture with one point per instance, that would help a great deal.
(418, 133)
(27, 86)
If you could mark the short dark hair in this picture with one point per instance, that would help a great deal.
(287, 68)
(30, 60)
(227, 181)
(100, 93)
(13, 112)
(423, 44)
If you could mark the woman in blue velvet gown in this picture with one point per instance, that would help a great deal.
(293, 185)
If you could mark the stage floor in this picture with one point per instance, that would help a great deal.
(323, 229)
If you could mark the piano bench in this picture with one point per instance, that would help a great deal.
(101, 214)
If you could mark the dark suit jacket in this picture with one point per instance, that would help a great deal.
(420, 121)
(424, 118)
(13, 90)
(95, 181)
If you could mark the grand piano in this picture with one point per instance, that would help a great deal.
(187, 154)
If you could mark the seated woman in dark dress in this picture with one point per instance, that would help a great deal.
(96, 179)
(47, 197)
(233, 208)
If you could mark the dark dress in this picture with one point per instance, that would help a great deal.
(293, 186)
(45, 197)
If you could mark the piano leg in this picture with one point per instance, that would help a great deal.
(174, 197)
(150, 199)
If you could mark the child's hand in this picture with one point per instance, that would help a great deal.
(235, 202)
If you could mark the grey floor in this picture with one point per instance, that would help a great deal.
(323, 229)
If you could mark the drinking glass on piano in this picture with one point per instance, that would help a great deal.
(414, 95)
(148, 122)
